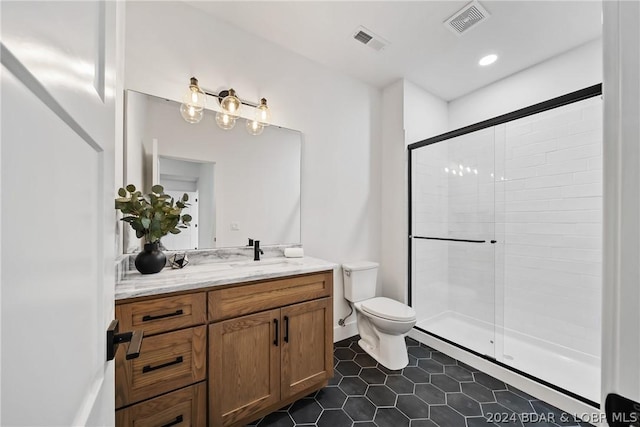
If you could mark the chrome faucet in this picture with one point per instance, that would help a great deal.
(256, 250)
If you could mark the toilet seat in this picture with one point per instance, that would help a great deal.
(389, 309)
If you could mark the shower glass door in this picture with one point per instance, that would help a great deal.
(453, 226)
(506, 241)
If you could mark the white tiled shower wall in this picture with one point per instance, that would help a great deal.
(543, 204)
(552, 224)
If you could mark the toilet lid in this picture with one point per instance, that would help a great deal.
(388, 308)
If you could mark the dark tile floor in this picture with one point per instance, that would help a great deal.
(434, 390)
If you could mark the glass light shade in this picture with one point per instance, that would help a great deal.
(225, 121)
(231, 104)
(263, 114)
(191, 114)
(195, 96)
(254, 127)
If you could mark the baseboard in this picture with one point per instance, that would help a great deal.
(349, 330)
(535, 389)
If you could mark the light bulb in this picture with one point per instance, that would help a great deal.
(254, 127)
(263, 114)
(192, 107)
(191, 114)
(195, 96)
(225, 121)
(231, 103)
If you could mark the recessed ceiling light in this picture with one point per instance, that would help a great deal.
(488, 60)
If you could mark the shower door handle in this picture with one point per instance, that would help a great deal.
(493, 241)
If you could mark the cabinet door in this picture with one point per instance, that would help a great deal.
(307, 345)
(244, 363)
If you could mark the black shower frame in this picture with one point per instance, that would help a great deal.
(570, 98)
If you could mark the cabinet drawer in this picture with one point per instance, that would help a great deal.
(181, 408)
(167, 361)
(251, 298)
(163, 314)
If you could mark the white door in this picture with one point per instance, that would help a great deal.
(58, 218)
(621, 291)
(188, 237)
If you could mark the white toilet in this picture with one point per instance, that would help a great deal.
(382, 322)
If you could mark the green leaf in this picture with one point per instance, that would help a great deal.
(131, 188)
(174, 231)
(146, 222)
(186, 218)
(159, 189)
(122, 192)
(185, 197)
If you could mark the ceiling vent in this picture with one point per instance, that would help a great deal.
(369, 38)
(467, 18)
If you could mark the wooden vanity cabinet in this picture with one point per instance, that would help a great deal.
(260, 362)
(268, 343)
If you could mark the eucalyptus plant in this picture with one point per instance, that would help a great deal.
(152, 215)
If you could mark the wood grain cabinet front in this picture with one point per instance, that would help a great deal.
(260, 361)
(167, 362)
(181, 408)
(239, 352)
(163, 314)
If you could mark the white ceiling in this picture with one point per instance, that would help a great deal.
(421, 49)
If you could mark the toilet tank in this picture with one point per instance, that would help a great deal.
(359, 280)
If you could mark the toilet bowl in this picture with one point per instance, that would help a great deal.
(382, 322)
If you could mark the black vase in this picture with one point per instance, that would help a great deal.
(151, 259)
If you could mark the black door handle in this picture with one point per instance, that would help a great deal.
(275, 323)
(178, 420)
(147, 318)
(149, 368)
(493, 241)
(286, 329)
(114, 338)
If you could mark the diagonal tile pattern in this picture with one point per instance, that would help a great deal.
(435, 390)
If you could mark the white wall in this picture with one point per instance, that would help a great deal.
(339, 117)
(134, 156)
(425, 115)
(410, 114)
(574, 70)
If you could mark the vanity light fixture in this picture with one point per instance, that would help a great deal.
(192, 109)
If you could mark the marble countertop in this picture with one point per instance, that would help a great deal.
(211, 274)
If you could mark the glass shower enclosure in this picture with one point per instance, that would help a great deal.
(505, 240)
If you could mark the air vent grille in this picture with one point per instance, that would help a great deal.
(467, 18)
(370, 39)
(362, 37)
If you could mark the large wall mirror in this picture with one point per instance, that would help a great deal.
(240, 186)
